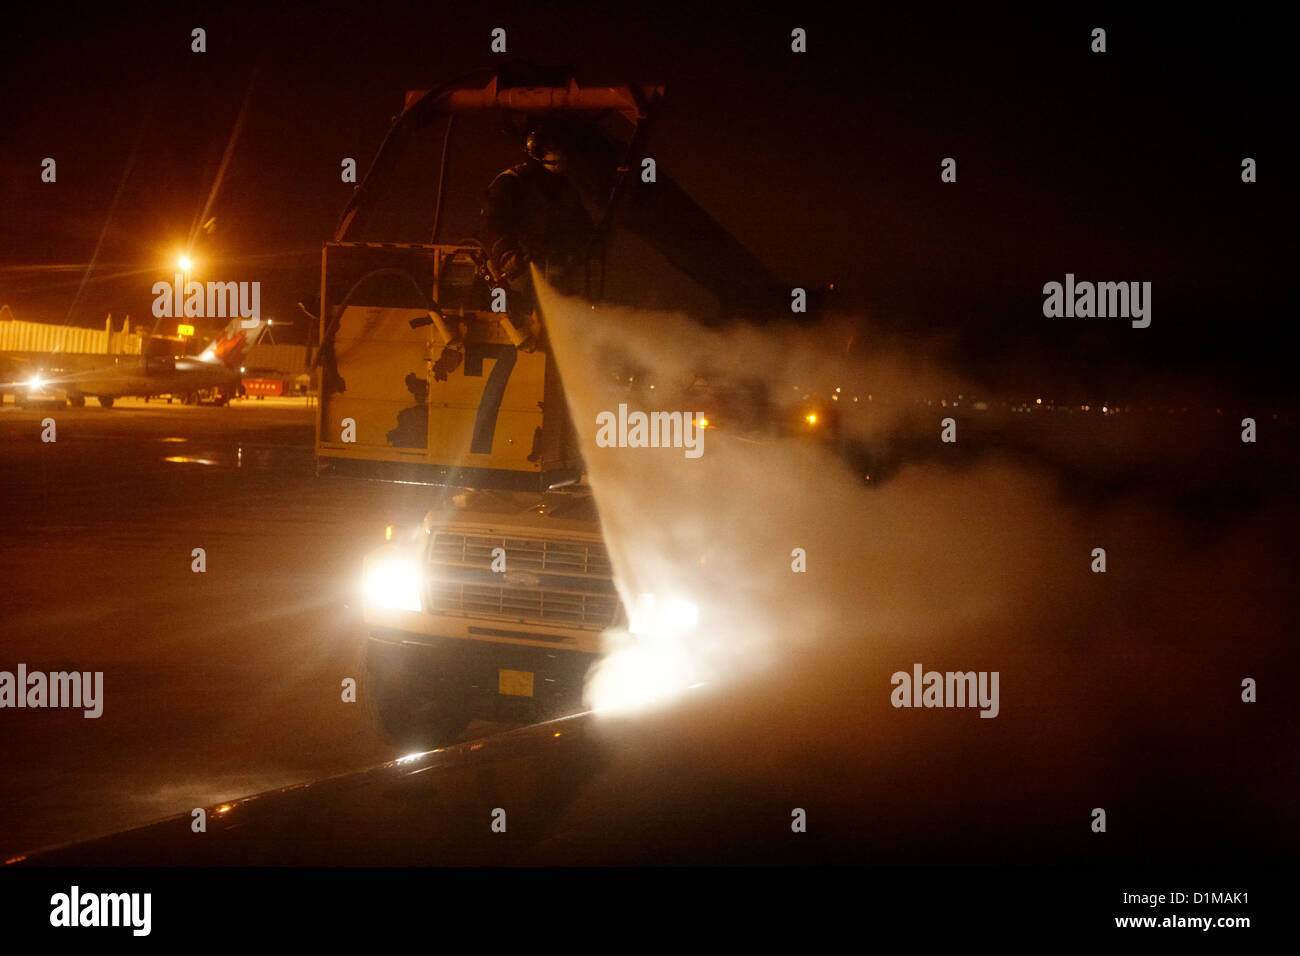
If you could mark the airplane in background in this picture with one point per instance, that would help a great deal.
(213, 374)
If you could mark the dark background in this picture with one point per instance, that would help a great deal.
(1119, 166)
(1122, 166)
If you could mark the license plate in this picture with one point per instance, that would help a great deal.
(515, 683)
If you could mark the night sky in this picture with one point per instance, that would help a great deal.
(1118, 166)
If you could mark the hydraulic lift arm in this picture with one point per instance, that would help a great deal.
(661, 213)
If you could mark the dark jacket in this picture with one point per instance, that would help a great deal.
(534, 215)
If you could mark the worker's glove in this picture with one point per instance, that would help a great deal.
(512, 265)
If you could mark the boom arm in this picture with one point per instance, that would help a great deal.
(662, 213)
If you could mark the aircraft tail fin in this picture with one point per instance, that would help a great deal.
(233, 342)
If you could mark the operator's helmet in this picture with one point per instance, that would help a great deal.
(543, 146)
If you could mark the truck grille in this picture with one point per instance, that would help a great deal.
(522, 554)
(535, 605)
(586, 600)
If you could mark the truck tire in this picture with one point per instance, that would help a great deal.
(105, 401)
(404, 706)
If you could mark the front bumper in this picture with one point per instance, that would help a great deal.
(469, 673)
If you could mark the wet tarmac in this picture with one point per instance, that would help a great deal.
(216, 684)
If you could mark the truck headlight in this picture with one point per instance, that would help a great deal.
(650, 664)
(654, 615)
(639, 675)
(392, 584)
